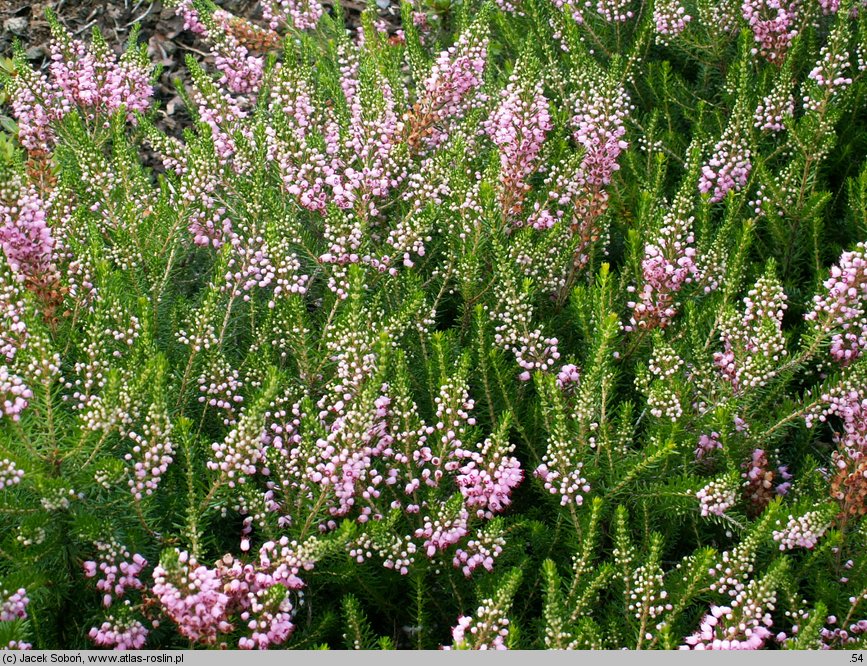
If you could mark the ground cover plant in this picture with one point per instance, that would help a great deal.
(529, 324)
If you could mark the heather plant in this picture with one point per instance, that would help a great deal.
(529, 324)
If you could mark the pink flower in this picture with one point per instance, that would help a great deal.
(13, 606)
(669, 263)
(600, 128)
(670, 18)
(803, 532)
(302, 14)
(117, 570)
(773, 25)
(26, 239)
(728, 168)
(842, 309)
(449, 90)
(518, 127)
(119, 634)
(488, 476)
(95, 80)
(14, 394)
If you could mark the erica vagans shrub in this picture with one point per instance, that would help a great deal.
(526, 324)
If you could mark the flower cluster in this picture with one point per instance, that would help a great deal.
(719, 631)
(774, 109)
(241, 71)
(744, 624)
(241, 452)
(842, 309)
(13, 327)
(614, 11)
(668, 264)
(760, 482)
(263, 594)
(90, 78)
(449, 90)
(192, 596)
(190, 16)
(120, 634)
(14, 605)
(728, 168)
(10, 475)
(27, 240)
(831, 75)
(220, 386)
(580, 188)
(569, 377)
(847, 403)
(518, 127)
(486, 630)
(560, 472)
(840, 637)
(58, 499)
(514, 333)
(14, 394)
(670, 18)
(662, 395)
(648, 598)
(488, 476)
(849, 484)
(117, 571)
(803, 531)
(599, 121)
(481, 551)
(377, 457)
(723, 17)
(302, 14)
(707, 443)
(444, 528)
(773, 23)
(32, 103)
(151, 453)
(717, 497)
(753, 341)
(395, 553)
(201, 601)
